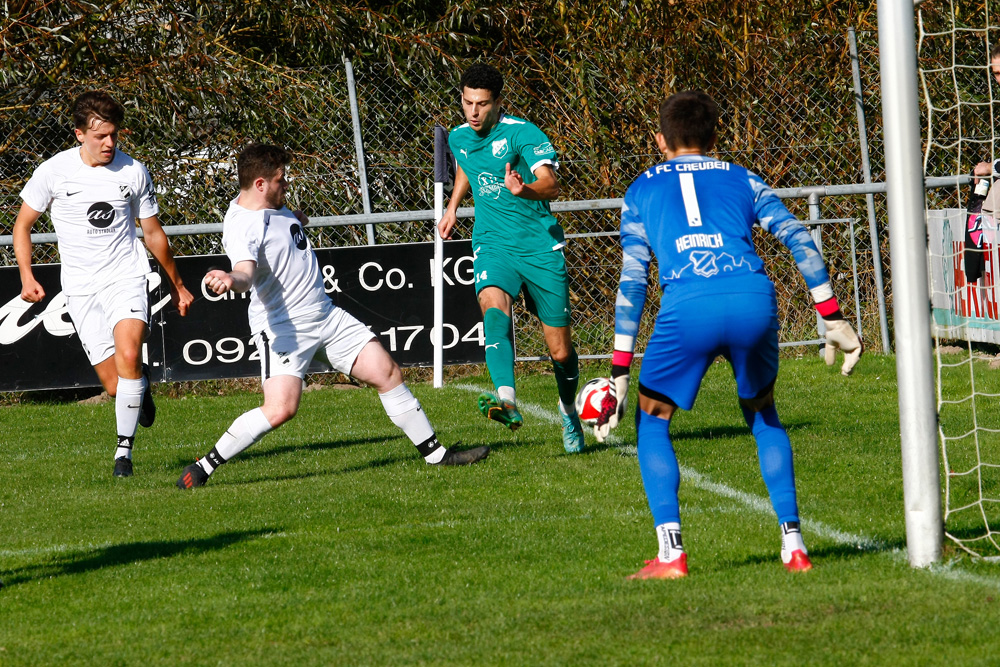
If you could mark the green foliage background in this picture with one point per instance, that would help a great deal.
(203, 77)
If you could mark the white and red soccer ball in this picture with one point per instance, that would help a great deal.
(590, 398)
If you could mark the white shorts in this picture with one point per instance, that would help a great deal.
(95, 315)
(331, 336)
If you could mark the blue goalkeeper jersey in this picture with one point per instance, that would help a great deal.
(696, 213)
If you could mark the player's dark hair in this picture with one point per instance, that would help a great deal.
(260, 161)
(995, 51)
(96, 104)
(689, 119)
(483, 77)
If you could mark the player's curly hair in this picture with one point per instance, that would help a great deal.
(96, 104)
(483, 77)
(689, 119)
(260, 161)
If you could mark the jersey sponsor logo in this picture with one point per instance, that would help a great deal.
(706, 264)
(489, 186)
(500, 147)
(544, 149)
(298, 237)
(698, 241)
(100, 214)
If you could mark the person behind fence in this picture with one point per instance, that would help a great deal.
(95, 193)
(294, 320)
(695, 213)
(983, 203)
(509, 165)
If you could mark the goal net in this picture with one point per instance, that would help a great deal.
(954, 42)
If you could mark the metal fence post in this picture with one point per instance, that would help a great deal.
(866, 169)
(814, 214)
(359, 147)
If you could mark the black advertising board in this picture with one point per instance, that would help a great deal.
(388, 287)
(39, 348)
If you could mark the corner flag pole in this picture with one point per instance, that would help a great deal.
(911, 300)
(440, 178)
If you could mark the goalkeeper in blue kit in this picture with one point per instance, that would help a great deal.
(695, 213)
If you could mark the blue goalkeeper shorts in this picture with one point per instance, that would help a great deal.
(691, 333)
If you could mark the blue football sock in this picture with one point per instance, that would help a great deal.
(661, 475)
(775, 454)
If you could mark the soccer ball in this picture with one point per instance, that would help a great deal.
(588, 401)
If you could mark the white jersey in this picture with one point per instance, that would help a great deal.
(94, 211)
(287, 283)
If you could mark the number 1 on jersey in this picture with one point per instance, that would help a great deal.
(690, 199)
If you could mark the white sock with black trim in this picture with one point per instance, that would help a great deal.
(791, 540)
(668, 535)
(405, 412)
(248, 428)
(128, 400)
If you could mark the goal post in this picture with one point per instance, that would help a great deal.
(911, 297)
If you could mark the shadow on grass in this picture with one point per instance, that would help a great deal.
(731, 431)
(830, 552)
(271, 452)
(368, 465)
(98, 558)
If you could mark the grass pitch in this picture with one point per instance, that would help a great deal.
(331, 542)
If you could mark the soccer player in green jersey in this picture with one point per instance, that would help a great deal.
(509, 165)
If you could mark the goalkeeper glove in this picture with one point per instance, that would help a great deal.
(840, 335)
(613, 406)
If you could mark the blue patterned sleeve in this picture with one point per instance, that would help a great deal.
(777, 220)
(631, 299)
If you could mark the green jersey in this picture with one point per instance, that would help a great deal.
(523, 226)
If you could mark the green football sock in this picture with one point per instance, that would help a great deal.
(499, 347)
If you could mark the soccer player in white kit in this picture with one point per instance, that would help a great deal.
(95, 194)
(296, 320)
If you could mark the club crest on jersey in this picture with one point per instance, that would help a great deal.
(126, 192)
(500, 147)
(704, 263)
(298, 237)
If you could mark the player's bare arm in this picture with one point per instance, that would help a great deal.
(458, 192)
(31, 290)
(544, 189)
(159, 246)
(239, 280)
(301, 217)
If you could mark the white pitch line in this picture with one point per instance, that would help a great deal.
(763, 505)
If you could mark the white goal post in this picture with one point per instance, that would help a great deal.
(911, 299)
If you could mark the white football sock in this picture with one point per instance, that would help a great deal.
(248, 428)
(506, 393)
(668, 535)
(791, 539)
(128, 400)
(405, 412)
(567, 409)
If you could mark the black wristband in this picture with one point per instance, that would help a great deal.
(835, 315)
(618, 371)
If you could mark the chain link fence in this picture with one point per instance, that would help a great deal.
(792, 122)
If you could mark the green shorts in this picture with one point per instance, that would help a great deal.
(543, 276)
